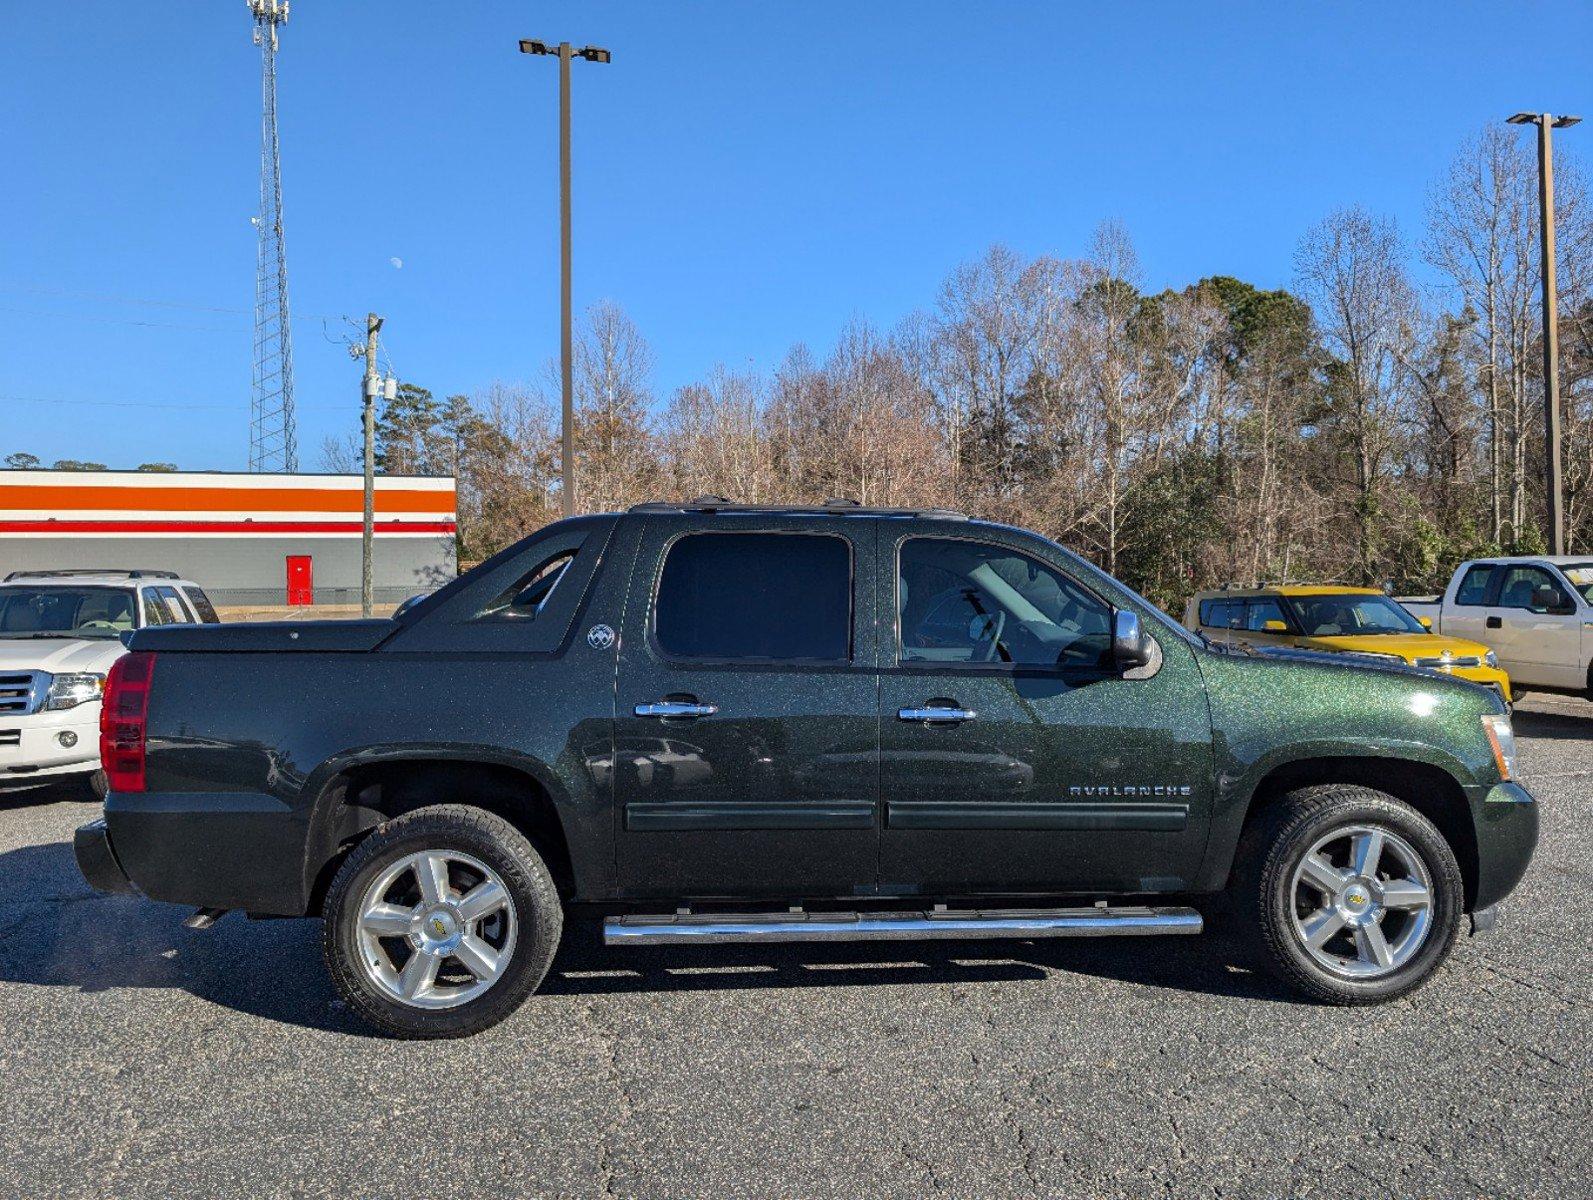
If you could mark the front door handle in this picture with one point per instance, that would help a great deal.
(936, 714)
(1494, 623)
(664, 709)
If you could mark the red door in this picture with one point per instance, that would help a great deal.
(301, 580)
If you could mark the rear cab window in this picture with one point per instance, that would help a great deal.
(755, 596)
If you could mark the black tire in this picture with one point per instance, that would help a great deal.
(96, 786)
(1266, 899)
(534, 900)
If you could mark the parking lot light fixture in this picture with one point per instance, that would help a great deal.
(565, 53)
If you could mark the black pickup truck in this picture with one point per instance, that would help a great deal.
(711, 722)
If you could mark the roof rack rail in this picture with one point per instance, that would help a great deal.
(74, 572)
(833, 506)
(1241, 585)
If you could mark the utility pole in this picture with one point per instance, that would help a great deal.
(371, 387)
(1551, 321)
(566, 335)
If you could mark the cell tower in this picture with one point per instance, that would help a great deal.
(273, 441)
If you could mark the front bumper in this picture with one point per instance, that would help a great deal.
(1505, 817)
(1490, 677)
(91, 845)
(31, 752)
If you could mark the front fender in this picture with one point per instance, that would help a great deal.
(1272, 713)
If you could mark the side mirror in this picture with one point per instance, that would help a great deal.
(1275, 626)
(1130, 647)
(410, 603)
(1425, 622)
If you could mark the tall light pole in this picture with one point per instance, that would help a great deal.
(1551, 319)
(566, 367)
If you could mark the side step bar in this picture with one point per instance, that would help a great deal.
(684, 928)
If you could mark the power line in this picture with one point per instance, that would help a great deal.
(325, 408)
(103, 298)
(74, 318)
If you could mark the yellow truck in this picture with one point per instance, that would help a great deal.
(1349, 620)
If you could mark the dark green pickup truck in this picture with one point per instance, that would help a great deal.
(712, 722)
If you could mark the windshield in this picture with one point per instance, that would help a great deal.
(1351, 616)
(89, 612)
(1581, 577)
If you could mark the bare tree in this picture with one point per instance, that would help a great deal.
(1350, 268)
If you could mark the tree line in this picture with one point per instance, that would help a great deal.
(1355, 426)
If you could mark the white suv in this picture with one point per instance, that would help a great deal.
(60, 631)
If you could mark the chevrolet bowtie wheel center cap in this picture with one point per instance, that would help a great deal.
(437, 930)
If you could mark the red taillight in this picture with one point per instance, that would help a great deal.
(122, 721)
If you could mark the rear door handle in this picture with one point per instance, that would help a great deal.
(675, 708)
(1494, 623)
(936, 715)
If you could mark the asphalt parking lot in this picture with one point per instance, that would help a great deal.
(142, 1059)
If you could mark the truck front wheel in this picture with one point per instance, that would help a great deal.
(1352, 896)
(440, 923)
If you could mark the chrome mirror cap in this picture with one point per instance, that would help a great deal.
(1130, 646)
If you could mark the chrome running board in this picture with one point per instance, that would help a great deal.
(684, 928)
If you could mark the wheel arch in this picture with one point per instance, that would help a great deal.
(358, 792)
(1428, 787)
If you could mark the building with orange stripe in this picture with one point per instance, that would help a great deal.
(246, 539)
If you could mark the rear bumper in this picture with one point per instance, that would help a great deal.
(1505, 817)
(91, 845)
(241, 850)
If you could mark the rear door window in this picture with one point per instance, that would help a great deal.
(1221, 614)
(177, 610)
(1259, 612)
(1473, 590)
(773, 597)
(201, 605)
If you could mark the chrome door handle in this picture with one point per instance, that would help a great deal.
(933, 716)
(675, 708)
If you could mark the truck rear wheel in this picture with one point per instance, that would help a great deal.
(1350, 895)
(441, 923)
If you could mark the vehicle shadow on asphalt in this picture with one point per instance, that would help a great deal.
(1561, 726)
(1197, 965)
(60, 933)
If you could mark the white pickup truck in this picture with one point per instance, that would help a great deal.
(1535, 613)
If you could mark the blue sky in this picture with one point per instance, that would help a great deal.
(747, 175)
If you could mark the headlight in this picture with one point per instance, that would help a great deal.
(68, 691)
(1503, 739)
(1490, 659)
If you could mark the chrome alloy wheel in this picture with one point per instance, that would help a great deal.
(436, 929)
(1362, 901)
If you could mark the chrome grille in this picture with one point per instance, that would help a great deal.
(19, 691)
(1441, 664)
